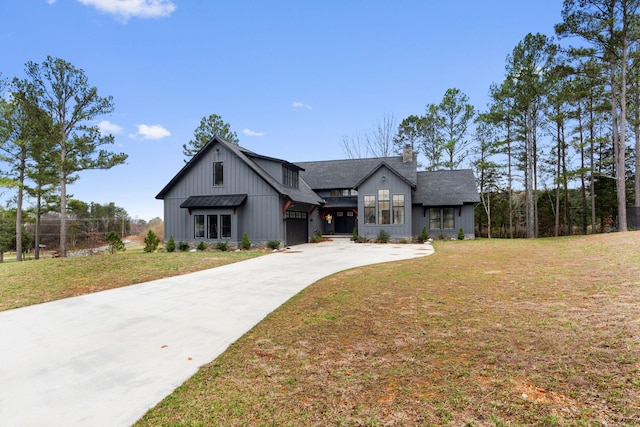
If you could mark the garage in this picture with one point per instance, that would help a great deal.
(296, 228)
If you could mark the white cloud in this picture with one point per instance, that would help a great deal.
(106, 128)
(126, 9)
(152, 132)
(51, 1)
(250, 132)
(297, 104)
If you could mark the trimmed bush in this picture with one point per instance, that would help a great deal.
(183, 246)
(461, 234)
(246, 243)
(202, 246)
(222, 246)
(171, 244)
(273, 244)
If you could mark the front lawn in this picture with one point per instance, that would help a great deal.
(488, 332)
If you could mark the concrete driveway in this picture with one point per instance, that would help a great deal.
(104, 359)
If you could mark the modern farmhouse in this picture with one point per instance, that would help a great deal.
(225, 191)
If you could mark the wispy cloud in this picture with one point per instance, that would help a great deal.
(51, 1)
(125, 9)
(106, 128)
(301, 105)
(151, 132)
(250, 132)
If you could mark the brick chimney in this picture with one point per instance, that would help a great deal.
(407, 154)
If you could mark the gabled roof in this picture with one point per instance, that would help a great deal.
(224, 201)
(302, 194)
(446, 188)
(334, 174)
(381, 165)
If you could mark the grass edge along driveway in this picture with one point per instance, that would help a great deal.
(49, 279)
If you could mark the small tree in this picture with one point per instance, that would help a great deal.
(115, 242)
(461, 234)
(246, 243)
(424, 236)
(171, 244)
(151, 242)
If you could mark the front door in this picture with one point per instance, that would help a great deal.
(345, 222)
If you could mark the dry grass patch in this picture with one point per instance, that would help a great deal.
(33, 282)
(541, 333)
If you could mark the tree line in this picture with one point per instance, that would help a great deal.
(47, 137)
(557, 148)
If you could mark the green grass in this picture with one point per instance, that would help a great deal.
(486, 332)
(33, 282)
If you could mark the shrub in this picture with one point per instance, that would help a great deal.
(151, 242)
(316, 238)
(171, 244)
(115, 243)
(461, 234)
(222, 246)
(273, 244)
(424, 236)
(183, 246)
(355, 235)
(246, 243)
(383, 237)
(202, 246)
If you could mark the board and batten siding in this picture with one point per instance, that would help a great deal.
(463, 217)
(260, 217)
(383, 179)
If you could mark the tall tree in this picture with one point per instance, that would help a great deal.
(500, 116)
(488, 172)
(209, 127)
(16, 147)
(410, 132)
(610, 28)
(527, 67)
(432, 144)
(65, 95)
(456, 114)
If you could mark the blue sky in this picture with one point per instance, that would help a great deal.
(292, 78)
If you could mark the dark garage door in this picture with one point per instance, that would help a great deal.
(296, 227)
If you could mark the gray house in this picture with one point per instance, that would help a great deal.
(226, 190)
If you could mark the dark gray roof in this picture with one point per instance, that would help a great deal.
(334, 174)
(341, 202)
(224, 201)
(302, 194)
(446, 188)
